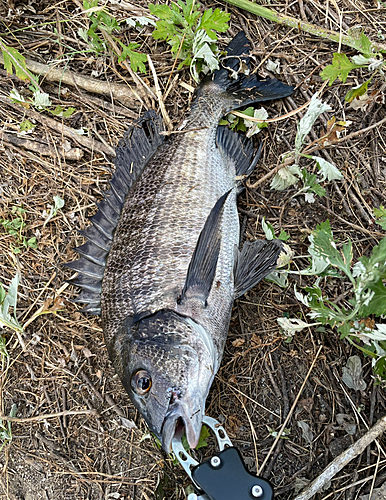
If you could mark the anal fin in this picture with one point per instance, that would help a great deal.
(256, 260)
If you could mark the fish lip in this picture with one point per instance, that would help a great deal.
(174, 424)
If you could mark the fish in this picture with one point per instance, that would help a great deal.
(162, 264)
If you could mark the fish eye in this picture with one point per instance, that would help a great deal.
(141, 382)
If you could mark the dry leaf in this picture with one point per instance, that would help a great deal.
(238, 342)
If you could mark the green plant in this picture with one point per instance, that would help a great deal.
(292, 174)
(342, 65)
(380, 215)
(191, 34)
(58, 204)
(6, 430)
(102, 24)
(367, 295)
(8, 300)
(17, 228)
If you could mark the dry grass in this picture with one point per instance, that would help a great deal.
(64, 366)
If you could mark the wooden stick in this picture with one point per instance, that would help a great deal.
(47, 415)
(343, 459)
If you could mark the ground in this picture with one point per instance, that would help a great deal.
(98, 447)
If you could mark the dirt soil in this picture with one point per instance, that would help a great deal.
(98, 447)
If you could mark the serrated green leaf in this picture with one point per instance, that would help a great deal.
(357, 91)
(60, 111)
(26, 126)
(340, 68)
(283, 236)
(137, 59)
(13, 60)
(162, 11)
(214, 21)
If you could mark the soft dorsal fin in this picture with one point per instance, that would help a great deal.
(238, 150)
(202, 267)
(134, 151)
(256, 260)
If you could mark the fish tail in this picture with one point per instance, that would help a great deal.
(234, 84)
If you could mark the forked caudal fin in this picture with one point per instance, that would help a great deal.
(138, 145)
(238, 87)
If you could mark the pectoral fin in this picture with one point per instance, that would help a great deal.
(256, 260)
(202, 267)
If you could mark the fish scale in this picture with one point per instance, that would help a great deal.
(162, 263)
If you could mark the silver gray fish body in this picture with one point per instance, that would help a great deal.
(171, 267)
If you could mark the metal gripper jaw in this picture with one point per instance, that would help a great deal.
(224, 476)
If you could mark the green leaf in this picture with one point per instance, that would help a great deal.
(365, 45)
(340, 68)
(268, 229)
(32, 242)
(283, 236)
(310, 181)
(161, 11)
(357, 91)
(201, 442)
(58, 204)
(380, 214)
(214, 21)
(325, 248)
(26, 126)
(327, 170)
(377, 304)
(59, 111)
(137, 59)
(13, 60)
(2, 294)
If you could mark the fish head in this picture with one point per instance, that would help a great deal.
(167, 368)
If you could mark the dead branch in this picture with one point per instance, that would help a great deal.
(40, 147)
(62, 129)
(343, 459)
(54, 74)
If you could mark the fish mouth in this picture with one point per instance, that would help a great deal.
(176, 422)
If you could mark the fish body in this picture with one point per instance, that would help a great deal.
(162, 264)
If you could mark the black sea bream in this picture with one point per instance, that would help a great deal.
(162, 265)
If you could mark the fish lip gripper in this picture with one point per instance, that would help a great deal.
(224, 476)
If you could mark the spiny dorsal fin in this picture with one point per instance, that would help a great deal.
(202, 267)
(133, 153)
(238, 150)
(256, 260)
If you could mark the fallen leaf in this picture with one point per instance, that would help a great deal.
(352, 374)
(238, 342)
(306, 431)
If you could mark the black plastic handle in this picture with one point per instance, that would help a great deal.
(225, 477)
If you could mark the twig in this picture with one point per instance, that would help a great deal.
(66, 77)
(301, 25)
(291, 410)
(343, 459)
(47, 415)
(62, 129)
(158, 92)
(41, 148)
